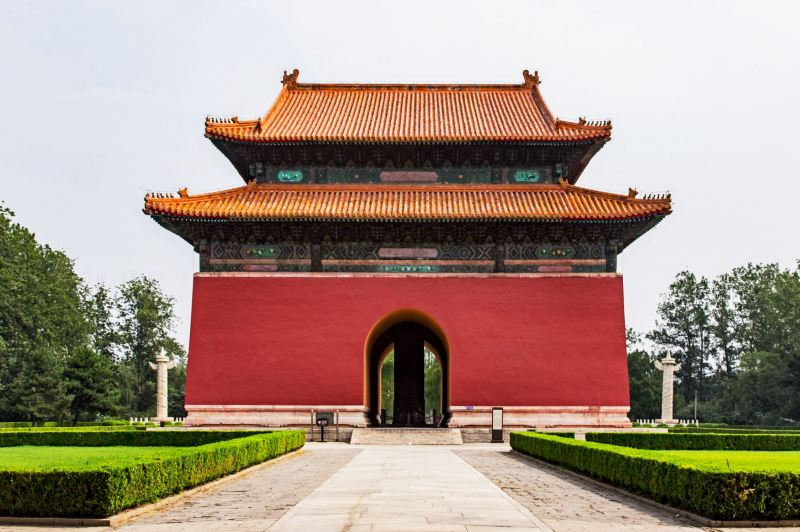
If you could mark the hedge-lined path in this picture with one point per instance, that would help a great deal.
(426, 488)
(468, 488)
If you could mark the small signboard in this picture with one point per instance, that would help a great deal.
(497, 425)
(323, 419)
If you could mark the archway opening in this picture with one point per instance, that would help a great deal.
(433, 388)
(407, 373)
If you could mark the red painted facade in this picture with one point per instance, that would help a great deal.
(526, 340)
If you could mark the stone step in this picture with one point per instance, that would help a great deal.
(405, 436)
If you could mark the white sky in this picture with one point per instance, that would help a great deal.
(103, 101)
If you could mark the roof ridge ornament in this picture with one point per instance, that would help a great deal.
(183, 192)
(632, 193)
(290, 80)
(531, 81)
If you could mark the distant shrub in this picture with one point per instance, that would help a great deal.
(107, 436)
(689, 441)
(722, 430)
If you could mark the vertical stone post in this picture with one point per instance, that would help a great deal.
(668, 367)
(163, 363)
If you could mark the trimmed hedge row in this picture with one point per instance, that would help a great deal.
(20, 424)
(696, 442)
(72, 429)
(103, 438)
(706, 430)
(109, 490)
(560, 433)
(717, 495)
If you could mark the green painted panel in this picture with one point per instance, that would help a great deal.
(290, 176)
(528, 176)
(400, 268)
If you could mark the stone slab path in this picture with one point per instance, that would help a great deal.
(432, 488)
(564, 502)
(408, 488)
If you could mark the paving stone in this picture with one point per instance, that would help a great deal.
(408, 488)
(566, 503)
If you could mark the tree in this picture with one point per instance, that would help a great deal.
(722, 325)
(682, 330)
(100, 314)
(91, 380)
(146, 319)
(387, 383)
(41, 323)
(433, 382)
(644, 379)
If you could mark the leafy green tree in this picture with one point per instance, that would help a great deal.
(91, 381)
(146, 319)
(433, 383)
(176, 401)
(99, 309)
(683, 330)
(644, 379)
(41, 323)
(387, 383)
(722, 325)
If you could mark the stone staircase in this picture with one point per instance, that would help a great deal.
(405, 436)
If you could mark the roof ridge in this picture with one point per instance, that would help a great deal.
(184, 196)
(290, 82)
(407, 202)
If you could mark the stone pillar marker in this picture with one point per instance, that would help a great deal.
(668, 367)
(163, 363)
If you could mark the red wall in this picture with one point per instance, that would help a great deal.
(527, 341)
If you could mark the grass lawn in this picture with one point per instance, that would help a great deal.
(732, 460)
(41, 458)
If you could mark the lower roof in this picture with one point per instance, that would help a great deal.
(407, 203)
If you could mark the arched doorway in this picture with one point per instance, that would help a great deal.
(411, 338)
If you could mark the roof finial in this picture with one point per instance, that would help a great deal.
(632, 193)
(183, 192)
(290, 80)
(531, 81)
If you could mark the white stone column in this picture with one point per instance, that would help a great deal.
(163, 363)
(668, 367)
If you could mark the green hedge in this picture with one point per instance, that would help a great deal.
(709, 430)
(717, 495)
(20, 424)
(107, 491)
(71, 429)
(687, 441)
(560, 433)
(100, 438)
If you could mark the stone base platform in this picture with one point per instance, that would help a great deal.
(405, 436)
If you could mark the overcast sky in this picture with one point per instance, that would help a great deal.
(103, 101)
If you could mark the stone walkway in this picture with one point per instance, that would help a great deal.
(373, 488)
(408, 488)
(564, 502)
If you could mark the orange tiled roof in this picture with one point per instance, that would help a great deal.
(407, 113)
(408, 203)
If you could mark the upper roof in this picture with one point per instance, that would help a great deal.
(403, 113)
(334, 202)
